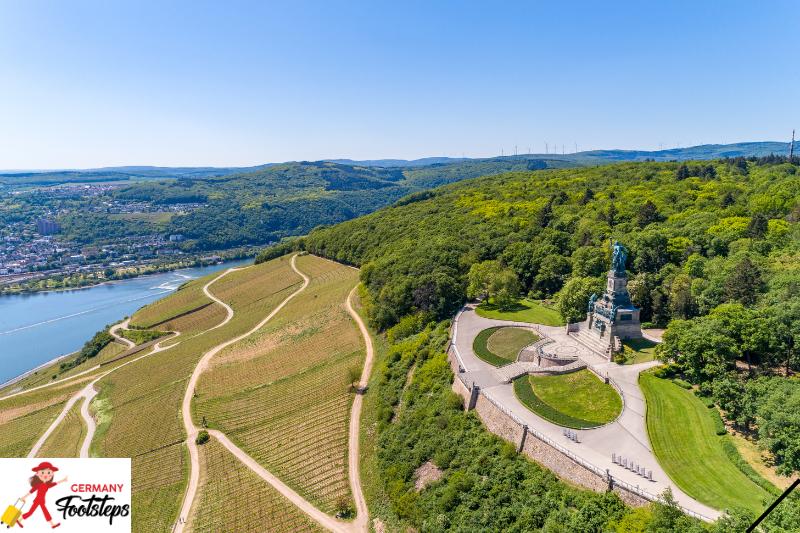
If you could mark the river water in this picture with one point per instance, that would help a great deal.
(35, 328)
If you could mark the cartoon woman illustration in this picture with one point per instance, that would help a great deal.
(41, 482)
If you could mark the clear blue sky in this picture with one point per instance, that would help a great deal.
(96, 83)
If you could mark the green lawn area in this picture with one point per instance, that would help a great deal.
(507, 342)
(639, 351)
(525, 310)
(577, 400)
(682, 435)
(141, 336)
(500, 345)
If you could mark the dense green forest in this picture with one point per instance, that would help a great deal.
(231, 208)
(258, 205)
(714, 256)
(292, 198)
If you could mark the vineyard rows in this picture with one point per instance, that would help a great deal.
(66, 439)
(18, 435)
(185, 299)
(141, 402)
(158, 481)
(232, 498)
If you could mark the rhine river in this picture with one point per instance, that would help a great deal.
(36, 328)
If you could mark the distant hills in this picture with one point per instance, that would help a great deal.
(262, 204)
(467, 166)
(703, 151)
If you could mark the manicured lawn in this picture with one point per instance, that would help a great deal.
(682, 435)
(577, 400)
(501, 345)
(525, 310)
(639, 351)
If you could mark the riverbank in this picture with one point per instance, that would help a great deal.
(98, 277)
(32, 371)
(38, 327)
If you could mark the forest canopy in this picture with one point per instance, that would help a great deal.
(714, 256)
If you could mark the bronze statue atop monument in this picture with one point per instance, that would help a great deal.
(612, 317)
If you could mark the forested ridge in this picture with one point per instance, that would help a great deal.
(266, 204)
(714, 256)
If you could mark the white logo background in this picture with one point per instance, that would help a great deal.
(14, 476)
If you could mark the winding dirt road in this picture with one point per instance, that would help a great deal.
(87, 394)
(361, 523)
(188, 423)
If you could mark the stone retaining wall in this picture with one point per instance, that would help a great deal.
(509, 429)
(503, 426)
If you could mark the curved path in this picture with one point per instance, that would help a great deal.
(353, 458)
(88, 393)
(360, 524)
(626, 436)
(186, 409)
(122, 325)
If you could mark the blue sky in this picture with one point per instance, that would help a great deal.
(95, 83)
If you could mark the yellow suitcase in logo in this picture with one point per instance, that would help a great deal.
(11, 515)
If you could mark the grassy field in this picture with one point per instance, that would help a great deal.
(507, 342)
(639, 351)
(138, 408)
(283, 394)
(141, 336)
(66, 439)
(682, 435)
(577, 400)
(499, 346)
(232, 498)
(525, 310)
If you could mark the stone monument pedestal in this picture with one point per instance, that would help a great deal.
(611, 318)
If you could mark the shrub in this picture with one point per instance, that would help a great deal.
(202, 437)
(733, 455)
(682, 383)
(343, 507)
(666, 371)
(408, 325)
(719, 425)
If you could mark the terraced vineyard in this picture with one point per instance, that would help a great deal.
(188, 298)
(66, 440)
(24, 418)
(259, 507)
(283, 394)
(139, 405)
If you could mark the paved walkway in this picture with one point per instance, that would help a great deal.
(626, 436)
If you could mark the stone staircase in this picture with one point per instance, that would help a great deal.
(592, 342)
(510, 372)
